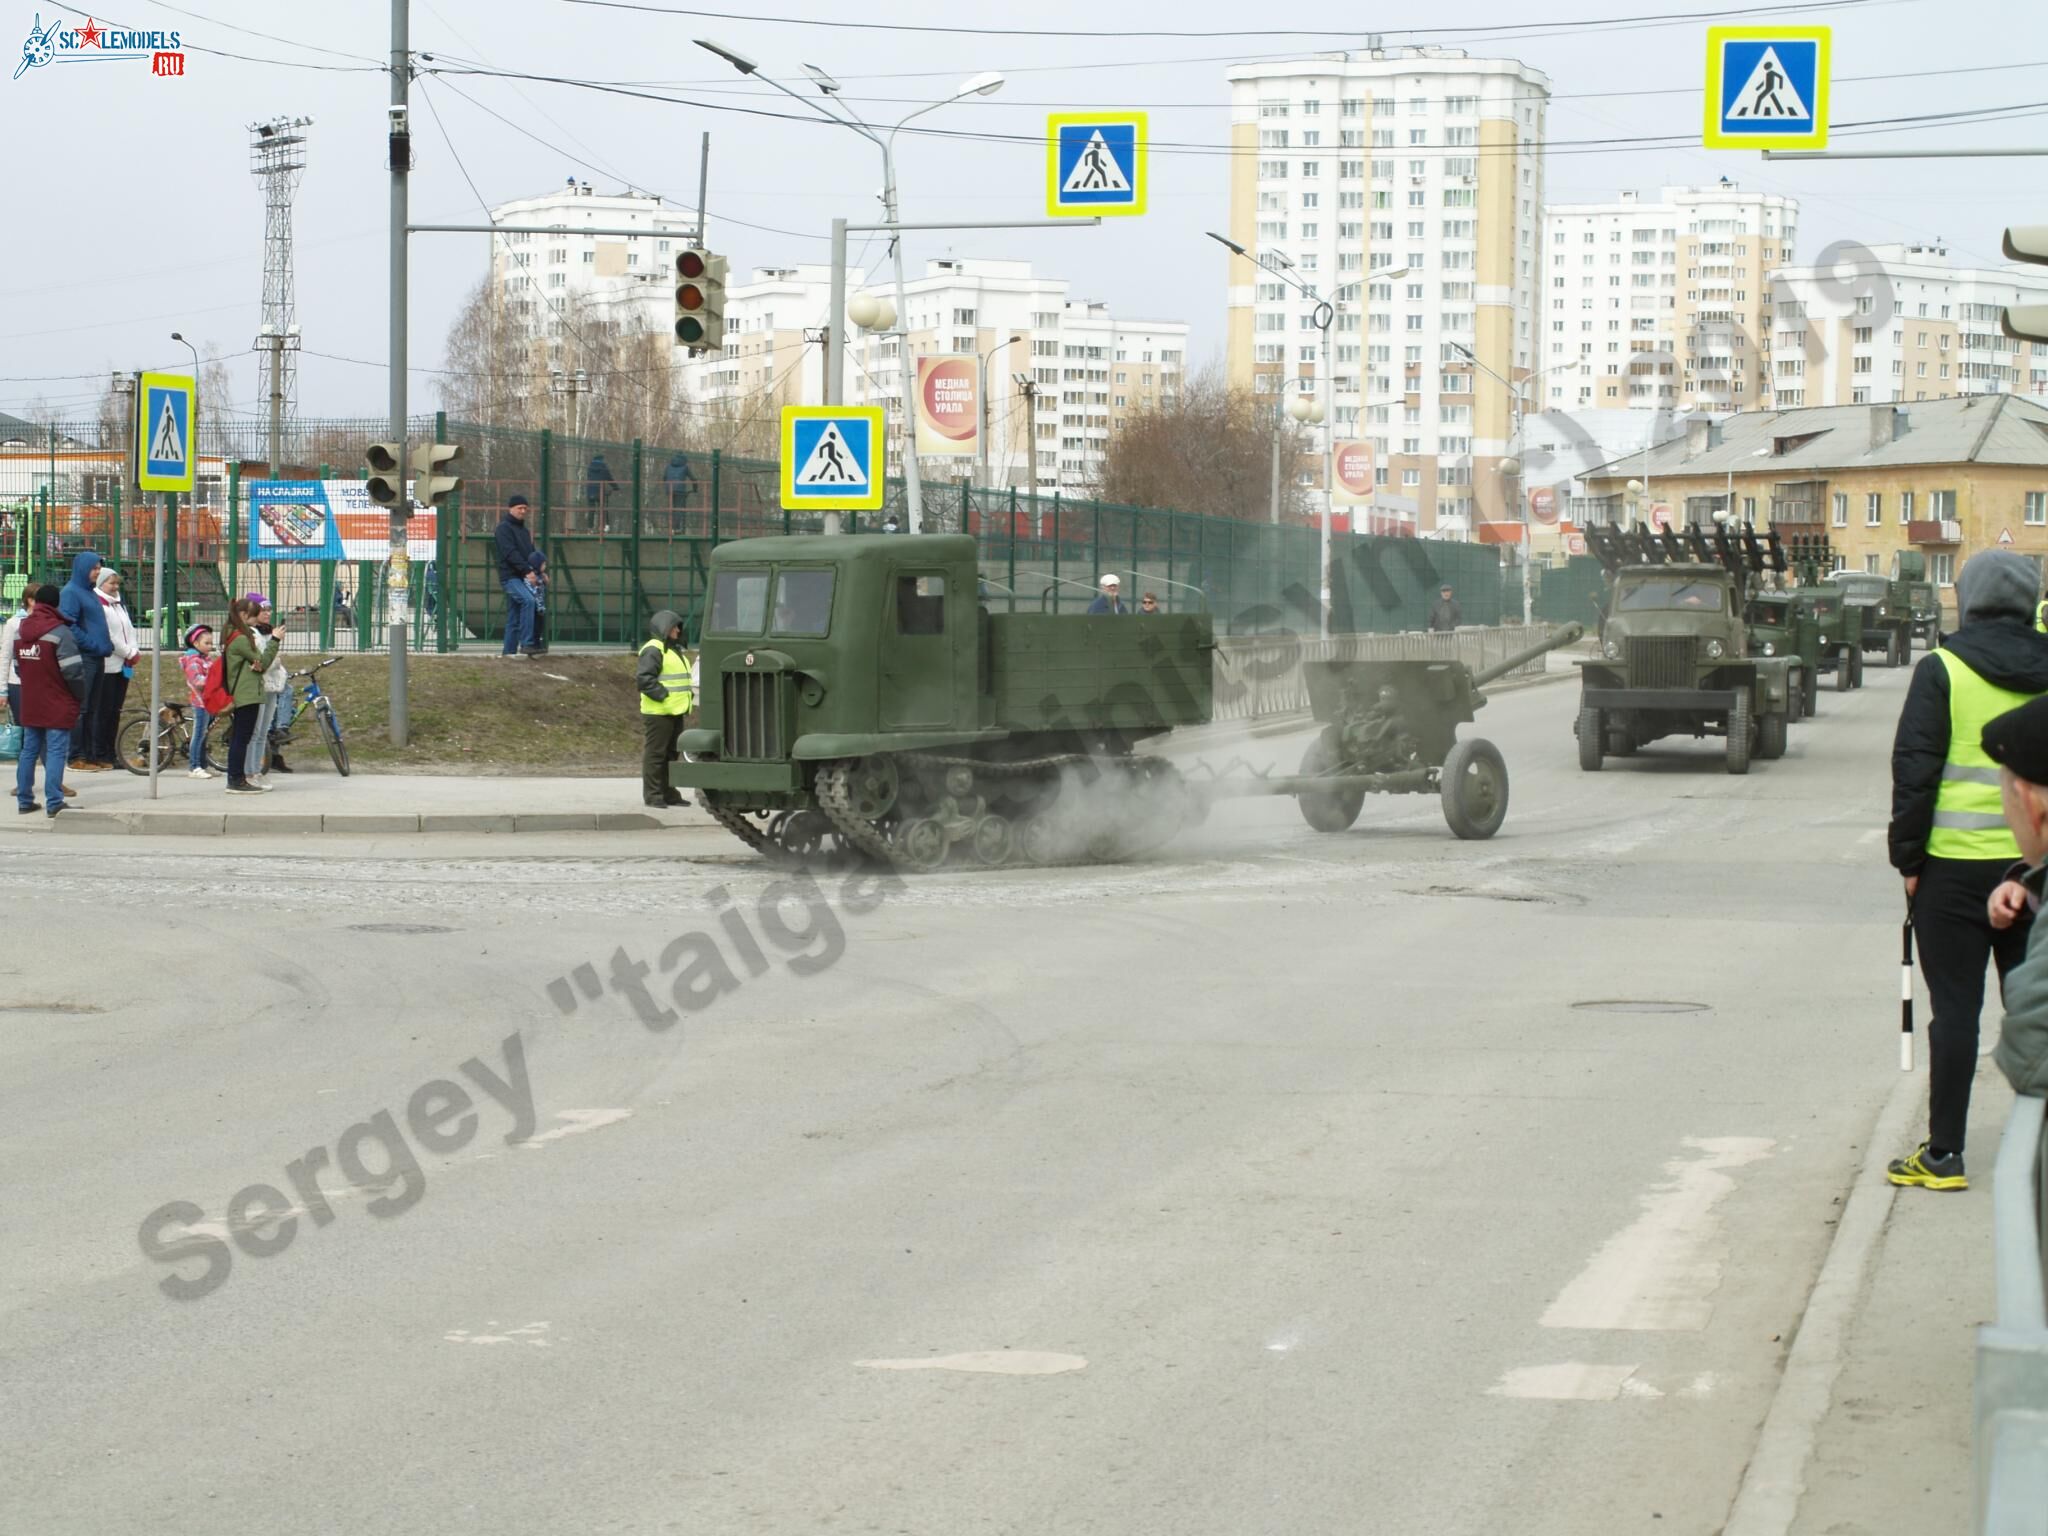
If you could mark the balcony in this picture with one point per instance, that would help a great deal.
(1934, 531)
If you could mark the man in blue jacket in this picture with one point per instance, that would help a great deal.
(79, 606)
(516, 568)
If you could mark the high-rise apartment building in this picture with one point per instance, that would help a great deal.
(541, 282)
(1421, 162)
(1900, 323)
(1662, 304)
(1063, 375)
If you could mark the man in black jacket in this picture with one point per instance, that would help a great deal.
(516, 574)
(1445, 615)
(1948, 834)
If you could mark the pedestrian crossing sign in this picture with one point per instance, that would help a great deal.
(165, 415)
(832, 457)
(1767, 88)
(1094, 164)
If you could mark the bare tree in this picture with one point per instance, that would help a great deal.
(1209, 449)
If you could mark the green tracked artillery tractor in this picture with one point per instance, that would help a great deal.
(1674, 653)
(859, 701)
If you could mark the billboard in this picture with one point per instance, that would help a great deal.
(948, 407)
(1543, 504)
(327, 520)
(1353, 472)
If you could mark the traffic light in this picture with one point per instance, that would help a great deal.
(700, 300)
(2027, 322)
(387, 485)
(432, 484)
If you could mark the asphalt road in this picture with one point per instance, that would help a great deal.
(1279, 1183)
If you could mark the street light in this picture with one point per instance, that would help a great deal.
(983, 397)
(1280, 266)
(985, 84)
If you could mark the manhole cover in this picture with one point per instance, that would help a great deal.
(398, 928)
(1639, 1005)
(50, 1008)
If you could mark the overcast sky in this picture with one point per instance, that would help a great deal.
(134, 212)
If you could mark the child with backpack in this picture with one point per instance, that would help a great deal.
(201, 667)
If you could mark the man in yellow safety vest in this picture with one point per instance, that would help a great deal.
(1949, 837)
(666, 694)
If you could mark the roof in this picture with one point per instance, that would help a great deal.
(848, 548)
(1969, 429)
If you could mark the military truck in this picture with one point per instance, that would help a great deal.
(1886, 612)
(1674, 652)
(1839, 625)
(1922, 597)
(1781, 625)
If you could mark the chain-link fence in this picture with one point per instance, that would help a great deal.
(628, 528)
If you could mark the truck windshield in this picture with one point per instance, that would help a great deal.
(739, 602)
(1685, 594)
(803, 602)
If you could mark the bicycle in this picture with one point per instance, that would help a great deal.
(173, 738)
(322, 707)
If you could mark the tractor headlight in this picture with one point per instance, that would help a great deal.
(1769, 649)
(1823, 639)
(1611, 650)
(1713, 650)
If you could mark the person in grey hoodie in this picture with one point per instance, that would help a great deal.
(667, 691)
(1949, 838)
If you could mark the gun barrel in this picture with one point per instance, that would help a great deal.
(1557, 637)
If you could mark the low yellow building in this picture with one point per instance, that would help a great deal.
(1948, 477)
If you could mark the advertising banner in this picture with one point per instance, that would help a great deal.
(1354, 487)
(327, 520)
(1543, 504)
(948, 407)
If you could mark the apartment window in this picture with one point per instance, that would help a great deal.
(1944, 570)
(1273, 170)
(1941, 504)
(1418, 136)
(1272, 138)
(1455, 197)
(1273, 109)
(1352, 106)
(1382, 138)
(558, 279)
(1411, 477)
(1865, 304)
(1311, 108)
(2037, 508)
(1462, 138)
(1873, 509)
(1461, 106)
(1870, 565)
(963, 317)
(1310, 169)
(1905, 508)
(557, 257)
(1749, 509)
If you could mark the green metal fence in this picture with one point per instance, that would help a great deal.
(628, 527)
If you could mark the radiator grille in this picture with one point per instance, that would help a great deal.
(1664, 662)
(755, 712)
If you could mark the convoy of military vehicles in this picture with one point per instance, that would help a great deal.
(862, 700)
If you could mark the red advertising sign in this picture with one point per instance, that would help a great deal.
(1354, 485)
(1543, 504)
(948, 410)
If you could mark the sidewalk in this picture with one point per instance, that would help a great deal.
(1893, 1451)
(118, 802)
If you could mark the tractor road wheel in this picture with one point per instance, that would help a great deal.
(1771, 732)
(1327, 810)
(1738, 734)
(1475, 788)
(1591, 740)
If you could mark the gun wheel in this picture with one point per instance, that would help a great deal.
(1327, 810)
(1475, 788)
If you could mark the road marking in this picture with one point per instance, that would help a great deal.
(530, 1334)
(580, 1120)
(1660, 1272)
(996, 1362)
(1571, 1381)
(1775, 1479)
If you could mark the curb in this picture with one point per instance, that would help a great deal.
(151, 823)
(1773, 1483)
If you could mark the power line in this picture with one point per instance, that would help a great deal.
(1592, 24)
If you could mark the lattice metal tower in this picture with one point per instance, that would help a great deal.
(277, 158)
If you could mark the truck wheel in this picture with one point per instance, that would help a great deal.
(1892, 648)
(1859, 669)
(1810, 701)
(1845, 671)
(1738, 734)
(1475, 788)
(1327, 810)
(1771, 732)
(1590, 738)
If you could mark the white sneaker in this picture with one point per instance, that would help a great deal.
(198, 773)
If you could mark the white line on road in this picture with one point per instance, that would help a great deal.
(997, 1362)
(1571, 1381)
(1661, 1271)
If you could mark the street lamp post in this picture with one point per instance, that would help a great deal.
(983, 399)
(985, 84)
(1324, 410)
